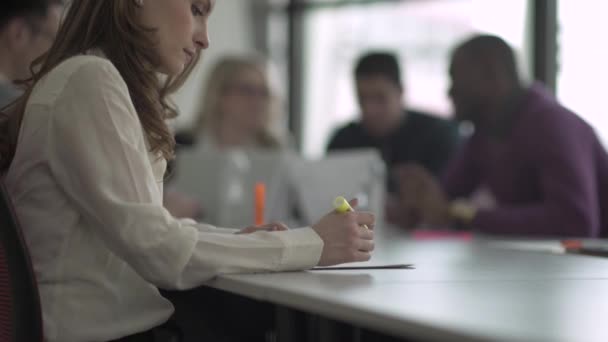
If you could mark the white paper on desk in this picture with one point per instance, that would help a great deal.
(363, 266)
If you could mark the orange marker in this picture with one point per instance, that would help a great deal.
(260, 203)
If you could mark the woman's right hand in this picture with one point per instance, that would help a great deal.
(344, 237)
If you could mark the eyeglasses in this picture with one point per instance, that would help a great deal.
(248, 90)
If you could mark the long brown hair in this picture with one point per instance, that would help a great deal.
(110, 26)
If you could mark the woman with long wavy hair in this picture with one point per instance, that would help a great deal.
(83, 153)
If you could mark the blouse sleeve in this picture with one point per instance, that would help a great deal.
(97, 153)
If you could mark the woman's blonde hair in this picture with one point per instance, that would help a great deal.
(224, 74)
(112, 27)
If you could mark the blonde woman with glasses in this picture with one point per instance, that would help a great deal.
(240, 108)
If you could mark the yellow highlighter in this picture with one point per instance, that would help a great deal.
(341, 205)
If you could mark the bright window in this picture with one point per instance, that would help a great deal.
(583, 60)
(422, 33)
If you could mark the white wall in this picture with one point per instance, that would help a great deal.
(581, 78)
(230, 32)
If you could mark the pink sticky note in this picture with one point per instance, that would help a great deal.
(439, 234)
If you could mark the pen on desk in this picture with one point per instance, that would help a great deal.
(341, 205)
(259, 202)
(578, 247)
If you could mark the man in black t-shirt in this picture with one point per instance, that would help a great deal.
(400, 135)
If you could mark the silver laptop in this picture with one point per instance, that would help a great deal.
(353, 174)
(224, 183)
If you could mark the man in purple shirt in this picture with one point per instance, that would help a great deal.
(543, 165)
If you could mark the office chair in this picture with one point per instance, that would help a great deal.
(20, 313)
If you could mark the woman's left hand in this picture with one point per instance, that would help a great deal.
(269, 227)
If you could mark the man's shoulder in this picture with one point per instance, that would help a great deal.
(546, 113)
(351, 129)
(428, 119)
(427, 123)
(352, 126)
(547, 129)
(347, 136)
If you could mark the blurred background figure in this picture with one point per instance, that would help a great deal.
(543, 164)
(401, 135)
(27, 29)
(239, 109)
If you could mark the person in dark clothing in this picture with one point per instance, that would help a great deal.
(401, 135)
(27, 29)
(543, 165)
(419, 137)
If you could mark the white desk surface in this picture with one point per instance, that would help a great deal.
(468, 291)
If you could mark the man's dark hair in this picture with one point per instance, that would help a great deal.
(10, 9)
(379, 63)
(488, 50)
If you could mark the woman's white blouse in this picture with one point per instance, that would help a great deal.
(89, 197)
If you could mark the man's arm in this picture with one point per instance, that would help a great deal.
(462, 175)
(441, 146)
(563, 151)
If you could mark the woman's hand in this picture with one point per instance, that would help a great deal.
(344, 237)
(422, 199)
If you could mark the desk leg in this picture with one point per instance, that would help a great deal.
(295, 326)
(357, 334)
(329, 330)
(290, 325)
